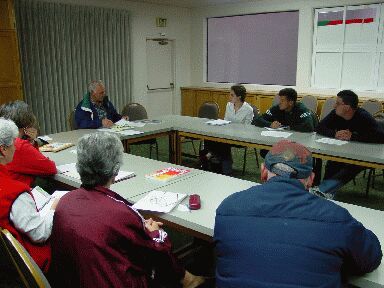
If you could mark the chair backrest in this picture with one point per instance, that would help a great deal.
(29, 272)
(134, 111)
(276, 100)
(256, 111)
(310, 102)
(372, 106)
(209, 110)
(71, 120)
(327, 107)
(315, 119)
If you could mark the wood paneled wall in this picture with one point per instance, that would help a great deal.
(193, 97)
(10, 74)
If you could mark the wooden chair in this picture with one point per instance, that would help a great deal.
(136, 111)
(30, 274)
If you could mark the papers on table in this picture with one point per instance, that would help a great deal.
(276, 129)
(55, 147)
(277, 134)
(122, 131)
(130, 132)
(159, 201)
(123, 122)
(43, 200)
(218, 122)
(66, 167)
(122, 175)
(331, 141)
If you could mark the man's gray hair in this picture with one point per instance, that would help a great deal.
(93, 85)
(99, 157)
(8, 132)
(19, 112)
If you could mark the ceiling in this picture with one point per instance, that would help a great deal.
(192, 3)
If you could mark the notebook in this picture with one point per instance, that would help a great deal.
(159, 201)
(167, 174)
(55, 147)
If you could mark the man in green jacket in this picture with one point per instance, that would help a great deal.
(288, 113)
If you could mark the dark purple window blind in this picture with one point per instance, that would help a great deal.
(257, 48)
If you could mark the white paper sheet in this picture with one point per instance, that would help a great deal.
(45, 138)
(218, 122)
(331, 141)
(129, 132)
(122, 175)
(66, 167)
(277, 134)
(159, 201)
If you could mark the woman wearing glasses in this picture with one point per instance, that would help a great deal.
(28, 162)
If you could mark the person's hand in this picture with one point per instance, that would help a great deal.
(275, 124)
(31, 132)
(343, 135)
(125, 118)
(54, 204)
(191, 281)
(106, 123)
(152, 225)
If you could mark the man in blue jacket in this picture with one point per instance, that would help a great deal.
(279, 235)
(95, 110)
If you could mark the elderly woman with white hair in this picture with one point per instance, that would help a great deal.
(99, 240)
(18, 213)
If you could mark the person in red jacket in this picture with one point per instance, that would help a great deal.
(18, 212)
(27, 162)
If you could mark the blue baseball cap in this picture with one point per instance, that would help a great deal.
(292, 154)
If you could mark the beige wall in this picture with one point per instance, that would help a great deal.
(304, 59)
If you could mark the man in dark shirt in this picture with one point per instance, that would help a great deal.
(288, 113)
(350, 123)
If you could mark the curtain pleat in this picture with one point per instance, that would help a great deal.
(63, 47)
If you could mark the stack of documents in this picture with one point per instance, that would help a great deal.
(218, 122)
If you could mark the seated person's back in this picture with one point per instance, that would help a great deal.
(279, 235)
(98, 240)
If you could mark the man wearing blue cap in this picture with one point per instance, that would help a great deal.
(279, 235)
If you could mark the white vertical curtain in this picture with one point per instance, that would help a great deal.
(62, 48)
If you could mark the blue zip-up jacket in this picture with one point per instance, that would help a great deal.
(278, 235)
(86, 115)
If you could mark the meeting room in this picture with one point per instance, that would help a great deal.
(191, 143)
